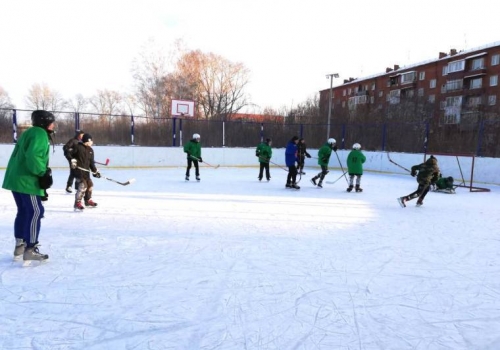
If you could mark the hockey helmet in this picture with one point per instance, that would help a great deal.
(42, 118)
(196, 136)
(356, 146)
(331, 141)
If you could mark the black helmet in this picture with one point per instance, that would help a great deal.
(42, 118)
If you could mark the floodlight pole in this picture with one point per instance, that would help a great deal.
(331, 76)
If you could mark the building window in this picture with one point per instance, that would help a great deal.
(445, 70)
(442, 104)
(380, 93)
(343, 92)
(349, 91)
(478, 63)
(420, 92)
(456, 66)
(372, 99)
(452, 85)
(476, 83)
(474, 101)
(432, 83)
(343, 103)
(495, 59)
(394, 96)
(494, 80)
(492, 100)
(443, 89)
(432, 98)
(407, 78)
(421, 76)
(373, 86)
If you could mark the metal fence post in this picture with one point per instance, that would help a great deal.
(174, 122)
(14, 126)
(132, 125)
(480, 139)
(384, 136)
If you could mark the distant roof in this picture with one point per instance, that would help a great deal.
(392, 72)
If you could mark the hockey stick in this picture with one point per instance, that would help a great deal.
(268, 160)
(341, 167)
(332, 182)
(128, 182)
(106, 163)
(215, 167)
(393, 162)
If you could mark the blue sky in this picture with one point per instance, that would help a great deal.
(289, 46)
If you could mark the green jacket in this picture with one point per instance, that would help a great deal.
(28, 162)
(324, 154)
(264, 152)
(193, 149)
(355, 161)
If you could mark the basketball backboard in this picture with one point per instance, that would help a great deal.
(183, 108)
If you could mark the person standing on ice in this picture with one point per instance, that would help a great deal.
(324, 154)
(426, 173)
(193, 150)
(82, 161)
(264, 152)
(67, 149)
(291, 158)
(302, 155)
(28, 176)
(355, 161)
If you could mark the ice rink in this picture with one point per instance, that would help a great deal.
(232, 263)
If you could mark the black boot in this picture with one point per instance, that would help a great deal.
(349, 189)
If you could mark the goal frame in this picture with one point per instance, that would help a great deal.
(463, 182)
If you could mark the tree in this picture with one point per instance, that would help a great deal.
(107, 102)
(40, 96)
(215, 83)
(78, 103)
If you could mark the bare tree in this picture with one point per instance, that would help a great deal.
(78, 103)
(107, 102)
(40, 96)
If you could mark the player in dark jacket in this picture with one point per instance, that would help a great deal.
(290, 160)
(302, 153)
(68, 149)
(426, 173)
(83, 158)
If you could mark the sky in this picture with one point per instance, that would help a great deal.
(233, 263)
(288, 46)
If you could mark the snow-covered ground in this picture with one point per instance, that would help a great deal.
(231, 263)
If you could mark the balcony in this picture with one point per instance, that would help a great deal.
(475, 73)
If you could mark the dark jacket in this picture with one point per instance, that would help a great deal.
(302, 150)
(290, 153)
(84, 156)
(69, 146)
(427, 172)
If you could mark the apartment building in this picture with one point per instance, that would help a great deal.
(454, 86)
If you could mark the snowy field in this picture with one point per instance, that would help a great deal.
(231, 263)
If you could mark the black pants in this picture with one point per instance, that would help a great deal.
(322, 174)
(85, 188)
(261, 171)
(191, 162)
(292, 175)
(421, 192)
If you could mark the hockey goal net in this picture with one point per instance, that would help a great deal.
(460, 166)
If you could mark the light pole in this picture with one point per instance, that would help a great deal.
(331, 76)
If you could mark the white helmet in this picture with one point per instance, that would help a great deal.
(356, 146)
(331, 141)
(196, 136)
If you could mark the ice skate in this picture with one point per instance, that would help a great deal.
(19, 249)
(69, 189)
(198, 178)
(320, 184)
(358, 189)
(419, 203)
(313, 181)
(187, 178)
(78, 206)
(260, 179)
(402, 202)
(288, 185)
(269, 179)
(349, 189)
(90, 203)
(32, 255)
(295, 186)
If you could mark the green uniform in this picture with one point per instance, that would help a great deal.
(355, 161)
(193, 149)
(28, 162)
(264, 152)
(324, 154)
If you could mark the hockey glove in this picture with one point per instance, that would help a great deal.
(257, 154)
(200, 160)
(45, 197)
(413, 173)
(308, 155)
(45, 181)
(97, 174)
(335, 148)
(324, 160)
(73, 163)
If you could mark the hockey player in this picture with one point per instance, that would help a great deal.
(193, 150)
(443, 184)
(291, 160)
(355, 161)
(324, 154)
(264, 152)
(82, 162)
(302, 151)
(426, 173)
(67, 149)
(28, 176)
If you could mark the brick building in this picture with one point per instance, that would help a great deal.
(455, 88)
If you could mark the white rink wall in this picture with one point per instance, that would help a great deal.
(485, 170)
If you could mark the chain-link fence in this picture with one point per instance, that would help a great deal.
(480, 140)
